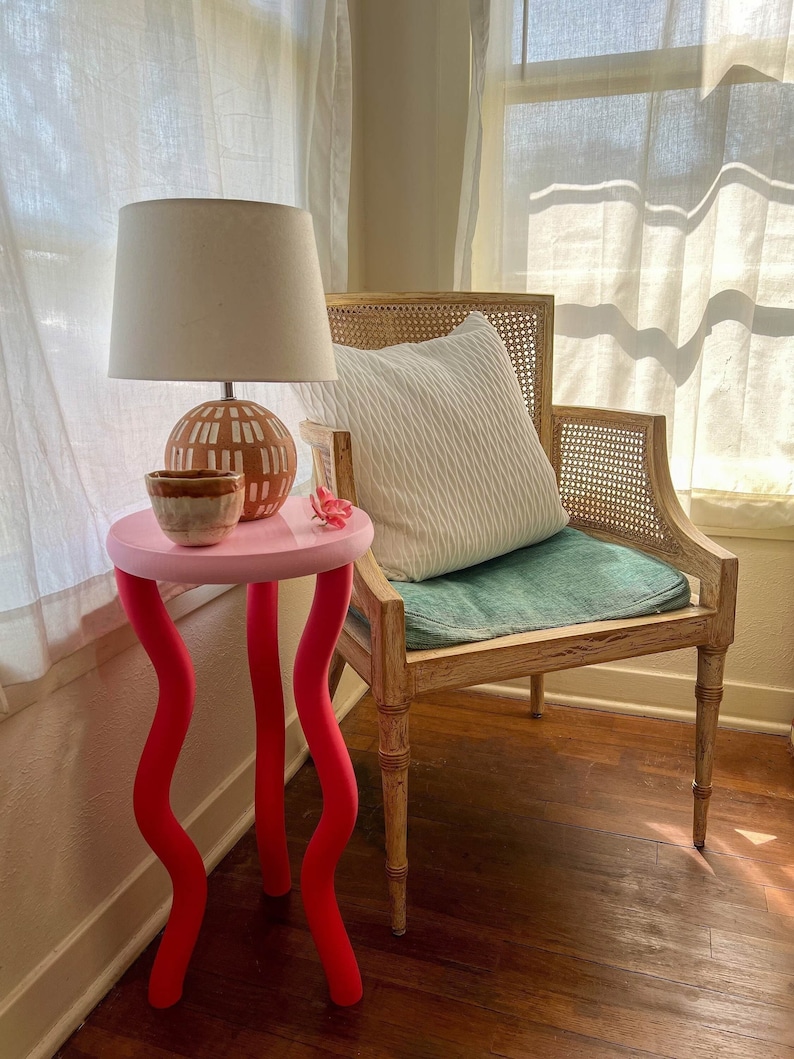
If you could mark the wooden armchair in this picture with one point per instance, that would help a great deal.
(615, 484)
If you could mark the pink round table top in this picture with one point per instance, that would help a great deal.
(288, 544)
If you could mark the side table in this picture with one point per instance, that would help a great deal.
(259, 554)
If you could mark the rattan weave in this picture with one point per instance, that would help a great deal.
(602, 472)
(524, 327)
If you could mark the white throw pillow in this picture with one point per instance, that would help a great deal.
(448, 463)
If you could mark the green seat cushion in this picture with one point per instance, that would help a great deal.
(567, 579)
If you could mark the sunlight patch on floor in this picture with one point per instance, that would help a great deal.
(698, 859)
(780, 902)
(677, 836)
(758, 838)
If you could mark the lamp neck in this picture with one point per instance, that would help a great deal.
(227, 391)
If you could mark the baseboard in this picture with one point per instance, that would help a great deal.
(351, 689)
(653, 693)
(55, 998)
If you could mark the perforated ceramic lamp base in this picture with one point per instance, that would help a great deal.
(241, 436)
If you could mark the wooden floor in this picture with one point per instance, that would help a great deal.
(556, 907)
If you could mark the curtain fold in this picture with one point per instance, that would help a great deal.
(637, 164)
(102, 104)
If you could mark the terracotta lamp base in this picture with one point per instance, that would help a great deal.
(240, 436)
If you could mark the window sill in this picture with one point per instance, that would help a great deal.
(16, 697)
(783, 533)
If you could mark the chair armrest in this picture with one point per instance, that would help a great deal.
(614, 479)
(372, 593)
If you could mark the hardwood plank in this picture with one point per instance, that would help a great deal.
(96, 1043)
(464, 743)
(638, 1010)
(705, 864)
(752, 763)
(634, 903)
(756, 955)
(556, 907)
(492, 914)
(459, 1032)
(203, 1042)
(384, 957)
(780, 901)
(671, 824)
(361, 741)
(516, 1039)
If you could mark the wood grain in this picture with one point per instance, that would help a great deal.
(534, 934)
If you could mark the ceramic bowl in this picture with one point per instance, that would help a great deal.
(196, 508)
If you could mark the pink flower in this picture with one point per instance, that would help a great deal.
(330, 510)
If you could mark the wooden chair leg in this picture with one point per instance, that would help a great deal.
(708, 692)
(394, 756)
(536, 694)
(335, 673)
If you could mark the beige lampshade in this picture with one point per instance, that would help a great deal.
(218, 289)
(231, 291)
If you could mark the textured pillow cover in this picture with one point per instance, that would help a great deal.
(448, 464)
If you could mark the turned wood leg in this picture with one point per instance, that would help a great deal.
(151, 793)
(708, 692)
(394, 756)
(335, 673)
(536, 694)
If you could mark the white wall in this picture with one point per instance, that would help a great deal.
(411, 78)
(81, 892)
(412, 89)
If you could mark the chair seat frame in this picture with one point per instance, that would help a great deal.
(614, 478)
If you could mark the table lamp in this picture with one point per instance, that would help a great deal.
(222, 290)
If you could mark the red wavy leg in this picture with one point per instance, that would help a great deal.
(151, 801)
(263, 662)
(340, 795)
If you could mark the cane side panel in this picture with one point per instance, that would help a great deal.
(523, 325)
(605, 485)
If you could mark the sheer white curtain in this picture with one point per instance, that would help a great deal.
(636, 161)
(104, 103)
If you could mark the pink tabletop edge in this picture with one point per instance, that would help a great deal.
(288, 544)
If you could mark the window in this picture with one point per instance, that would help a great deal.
(103, 104)
(636, 161)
